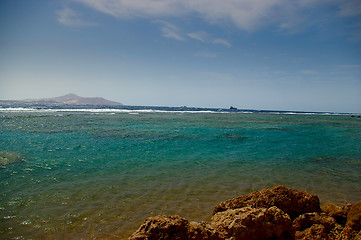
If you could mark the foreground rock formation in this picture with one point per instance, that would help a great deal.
(275, 213)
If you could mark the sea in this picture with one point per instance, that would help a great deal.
(98, 173)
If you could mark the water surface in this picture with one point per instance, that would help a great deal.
(73, 175)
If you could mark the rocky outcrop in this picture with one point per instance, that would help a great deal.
(277, 213)
(316, 226)
(173, 228)
(291, 201)
(352, 229)
(253, 223)
(337, 212)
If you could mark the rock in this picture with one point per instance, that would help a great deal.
(172, 228)
(349, 234)
(316, 231)
(291, 201)
(358, 236)
(352, 229)
(338, 213)
(265, 214)
(354, 217)
(253, 223)
(308, 219)
(309, 224)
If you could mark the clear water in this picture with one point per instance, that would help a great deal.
(83, 175)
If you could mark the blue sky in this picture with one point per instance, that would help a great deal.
(259, 54)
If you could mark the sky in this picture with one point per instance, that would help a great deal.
(300, 55)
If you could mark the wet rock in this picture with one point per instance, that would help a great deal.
(291, 201)
(253, 223)
(337, 212)
(172, 228)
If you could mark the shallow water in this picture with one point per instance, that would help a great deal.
(98, 175)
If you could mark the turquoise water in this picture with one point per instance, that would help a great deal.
(76, 175)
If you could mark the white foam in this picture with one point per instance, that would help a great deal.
(98, 110)
(18, 109)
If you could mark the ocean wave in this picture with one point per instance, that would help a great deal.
(101, 110)
(144, 109)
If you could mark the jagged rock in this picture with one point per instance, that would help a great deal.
(308, 219)
(265, 214)
(291, 201)
(354, 217)
(253, 223)
(358, 236)
(315, 232)
(338, 213)
(310, 224)
(172, 228)
(349, 234)
(352, 229)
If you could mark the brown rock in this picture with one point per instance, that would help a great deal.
(315, 232)
(358, 236)
(291, 201)
(309, 224)
(172, 228)
(253, 223)
(352, 229)
(337, 212)
(308, 219)
(349, 234)
(354, 217)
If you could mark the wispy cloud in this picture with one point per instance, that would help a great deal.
(222, 41)
(70, 18)
(170, 31)
(200, 36)
(354, 66)
(246, 14)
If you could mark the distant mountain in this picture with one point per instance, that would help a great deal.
(69, 99)
(77, 100)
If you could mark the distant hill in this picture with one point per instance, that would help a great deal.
(77, 100)
(69, 99)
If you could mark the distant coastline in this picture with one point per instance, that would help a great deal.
(73, 102)
(70, 99)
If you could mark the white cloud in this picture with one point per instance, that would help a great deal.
(137, 8)
(71, 18)
(200, 36)
(245, 14)
(223, 42)
(170, 31)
